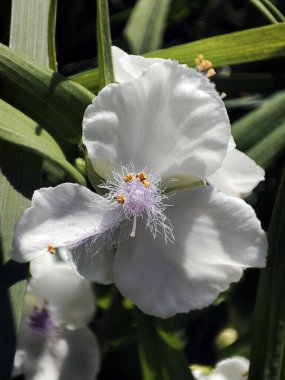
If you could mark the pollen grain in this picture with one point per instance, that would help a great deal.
(128, 177)
(141, 176)
(121, 199)
(51, 249)
(146, 183)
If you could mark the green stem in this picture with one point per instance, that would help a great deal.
(274, 10)
(266, 12)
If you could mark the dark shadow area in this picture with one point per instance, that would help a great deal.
(12, 159)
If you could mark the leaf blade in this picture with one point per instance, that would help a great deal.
(105, 64)
(17, 128)
(268, 354)
(145, 26)
(250, 45)
(49, 98)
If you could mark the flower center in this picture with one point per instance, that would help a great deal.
(41, 320)
(140, 196)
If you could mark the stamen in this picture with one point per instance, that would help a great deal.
(141, 196)
(141, 176)
(51, 249)
(205, 65)
(199, 58)
(146, 183)
(121, 199)
(128, 177)
(133, 232)
(210, 73)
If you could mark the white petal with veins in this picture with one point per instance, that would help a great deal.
(216, 237)
(169, 120)
(238, 175)
(61, 216)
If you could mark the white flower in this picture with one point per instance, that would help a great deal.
(46, 263)
(175, 251)
(238, 175)
(54, 342)
(235, 368)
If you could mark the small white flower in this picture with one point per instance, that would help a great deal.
(239, 174)
(235, 368)
(54, 342)
(174, 251)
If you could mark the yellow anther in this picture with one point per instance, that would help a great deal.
(205, 65)
(146, 183)
(210, 73)
(51, 249)
(141, 176)
(128, 177)
(199, 58)
(121, 199)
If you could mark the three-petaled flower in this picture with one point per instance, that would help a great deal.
(167, 240)
(54, 340)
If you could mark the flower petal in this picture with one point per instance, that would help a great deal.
(216, 237)
(42, 264)
(238, 175)
(60, 216)
(128, 67)
(74, 355)
(69, 295)
(170, 120)
(235, 368)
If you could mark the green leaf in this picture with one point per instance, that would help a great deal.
(160, 351)
(104, 44)
(270, 148)
(268, 345)
(17, 128)
(145, 27)
(249, 45)
(32, 30)
(54, 102)
(16, 187)
(51, 35)
(233, 48)
(253, 127)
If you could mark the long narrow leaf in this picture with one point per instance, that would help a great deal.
(250, 45)
(253, 127)
(268, 354)
(104, 44)
(53, 101)
(17, 128)
(51, 35)
(270, 148)
(145, 27)
(30, 22)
